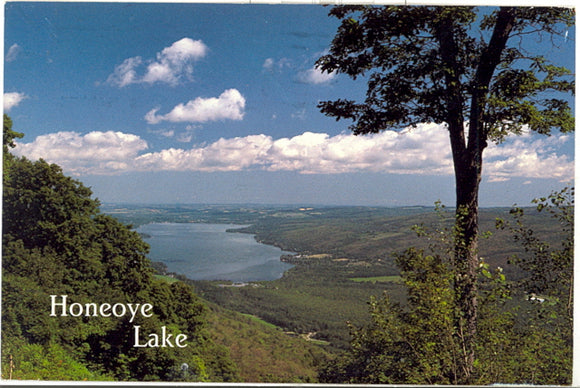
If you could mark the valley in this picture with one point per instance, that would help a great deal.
(344, 256)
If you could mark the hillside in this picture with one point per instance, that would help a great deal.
(263, 352)
(81, 301)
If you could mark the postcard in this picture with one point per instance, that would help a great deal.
(221, 193)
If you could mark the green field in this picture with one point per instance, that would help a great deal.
(379, 279)
(261, 321)
(168, 279)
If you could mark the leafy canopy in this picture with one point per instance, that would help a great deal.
(55, 241)
(410, 79)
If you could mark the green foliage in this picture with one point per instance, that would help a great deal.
(56, 242)
(315, 299)
(550, 268)
(263, 352)
(545, 330)
(44, 208)
(412, 80)
(24, 361)
(8, 136)
(412, 345)
(522, 337)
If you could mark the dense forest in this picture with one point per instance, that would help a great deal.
(56, 242)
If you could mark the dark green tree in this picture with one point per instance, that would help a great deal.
(55, 241)
(465, 68)
(8, 136)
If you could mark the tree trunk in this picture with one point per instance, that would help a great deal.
(467, 160)
(467, 165)
(468, 177)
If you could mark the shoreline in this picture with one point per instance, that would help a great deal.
(242, 265)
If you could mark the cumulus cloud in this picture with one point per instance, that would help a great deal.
(95, 152)
(315, 76)
(170, 66)
(389, 152)
(229, 105)
(223, 155)
(423, 150)
(529, 156)
(12, 53)
(12, 99)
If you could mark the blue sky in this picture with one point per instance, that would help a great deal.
(209, 103)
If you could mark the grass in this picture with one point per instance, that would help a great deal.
(256, 319)
(168, 279)
(379, 279)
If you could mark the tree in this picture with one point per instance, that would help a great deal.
(524, 323)
(8, 136)
(549, 268)
(548, 264)
(427, 64)
(55, 241)
(411, 344)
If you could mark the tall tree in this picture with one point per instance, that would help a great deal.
(8, 136)
(432, 64)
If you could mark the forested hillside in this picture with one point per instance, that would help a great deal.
(56, 242)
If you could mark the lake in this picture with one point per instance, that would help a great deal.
(208, 252)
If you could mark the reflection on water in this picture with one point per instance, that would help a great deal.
(208, 252)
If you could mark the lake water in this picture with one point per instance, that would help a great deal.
(208, 252)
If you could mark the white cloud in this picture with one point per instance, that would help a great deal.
(12, 99)
(171, 65)
(270, 64)
(223, 155)
(529, 156)
(388, 152)
(96, 152)
(125, 73)
(12, 53)
(315, 76)
(423, 150)
(175, 61)
(228, 106)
